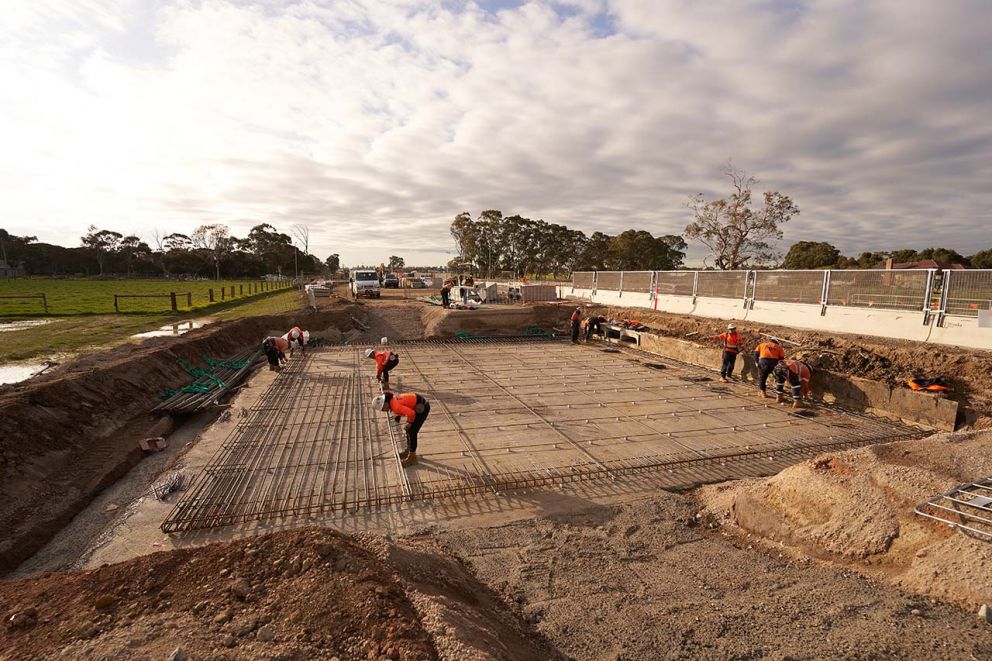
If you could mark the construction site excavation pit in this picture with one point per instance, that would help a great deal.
(507, 415)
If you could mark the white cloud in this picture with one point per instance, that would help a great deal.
(376, 122)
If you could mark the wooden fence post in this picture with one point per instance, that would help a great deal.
(172, 299)
(232, 291)
(211, 292)
(116, 309)
(241, 290)
(44, 301)
(222, 290)
(189, 299)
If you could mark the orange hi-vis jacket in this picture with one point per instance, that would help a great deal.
(732, 341)
(798, 368)
(381, 358)
(770, 350)
(576, 316)
(404, 405)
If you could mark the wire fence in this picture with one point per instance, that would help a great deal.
(637, 281)
(789, 286)
(722, 284)
(967, 292)
(887, 290)
(675, 283)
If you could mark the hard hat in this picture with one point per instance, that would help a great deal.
(369, 352)
(731, 327)
(379, 403)
(775, 340)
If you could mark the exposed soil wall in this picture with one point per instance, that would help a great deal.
(66, 435)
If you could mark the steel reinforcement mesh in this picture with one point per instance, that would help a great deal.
(506, 414)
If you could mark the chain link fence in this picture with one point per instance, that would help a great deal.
(789, 286)
(721, 284)
(967, 292)
(888, 290)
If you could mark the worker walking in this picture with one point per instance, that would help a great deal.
(384, 362)
(732, 344)
(296, 335)
(766, 355)
(412, 406)
(275, 351)
(576, 322)
(797, 373)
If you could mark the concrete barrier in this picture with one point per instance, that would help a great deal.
(895, 324)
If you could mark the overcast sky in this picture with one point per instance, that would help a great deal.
(376, 122)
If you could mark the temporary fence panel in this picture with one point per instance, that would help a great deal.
(967, 292)
(675, 283)
(789, 286)
(721, 284)
(637, 281)
(583, 279)
(608, 280)
(884, 289)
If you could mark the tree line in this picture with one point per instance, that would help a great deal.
(210, 251)
(492, 244)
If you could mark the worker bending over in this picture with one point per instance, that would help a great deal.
(296, 335)
(446, 293)
(412, 406)
(275, 351)
(576, 320)
(732, 345)
(797, 373)
(594, 324)
(384, 362)
(766, 355)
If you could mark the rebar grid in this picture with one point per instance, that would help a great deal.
(507, 414)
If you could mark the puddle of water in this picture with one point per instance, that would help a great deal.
(15, 373)
(176, 329)
(21, 325)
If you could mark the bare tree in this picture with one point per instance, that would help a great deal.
(737, 235)
(302, 232)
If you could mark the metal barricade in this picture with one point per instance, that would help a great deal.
(583, 279)
(884, 289)
(967, 292)
(721, 284)
(637, 281)
(789, 286)
(675, 283)
(608, 280)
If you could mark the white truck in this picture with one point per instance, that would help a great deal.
(365, 283)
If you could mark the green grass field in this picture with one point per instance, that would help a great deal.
(79, 297)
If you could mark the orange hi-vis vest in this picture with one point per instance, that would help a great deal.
(576, 316)
(798, 368)
(404, 405)
(381, 358)
(731, 341)
(770, 350)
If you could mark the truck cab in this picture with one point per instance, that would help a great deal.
(365, 283)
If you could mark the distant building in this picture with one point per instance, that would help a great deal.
(922, 264)
(8, 271)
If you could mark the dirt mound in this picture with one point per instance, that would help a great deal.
(659, 579)
(857, 507)
(65, 436)
(888, 361)
(302, 594)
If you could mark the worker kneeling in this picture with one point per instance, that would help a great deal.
(384, 362)
(275, 351)
(797, 373)
(412, 406)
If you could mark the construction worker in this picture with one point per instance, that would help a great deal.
(576, 320)
(766, 356)
(412, 406)
(275, 351)
(296, 335)
(384, 362)
(594, 324)
(797, 373)
(732, 344)
(445, 291)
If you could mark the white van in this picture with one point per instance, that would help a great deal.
(365, 283)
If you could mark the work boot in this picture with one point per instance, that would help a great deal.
(724, 379)
(779, 398)
(764, 393)
(410, 460)
(404, 454)
(798, 404)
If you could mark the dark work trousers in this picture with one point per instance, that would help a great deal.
(595, 326)
(390, 364)
(575, 331)
(418, 422)
(274, 357)
(445, 301)
(783, 373)
(729, 362)
(765, 367)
